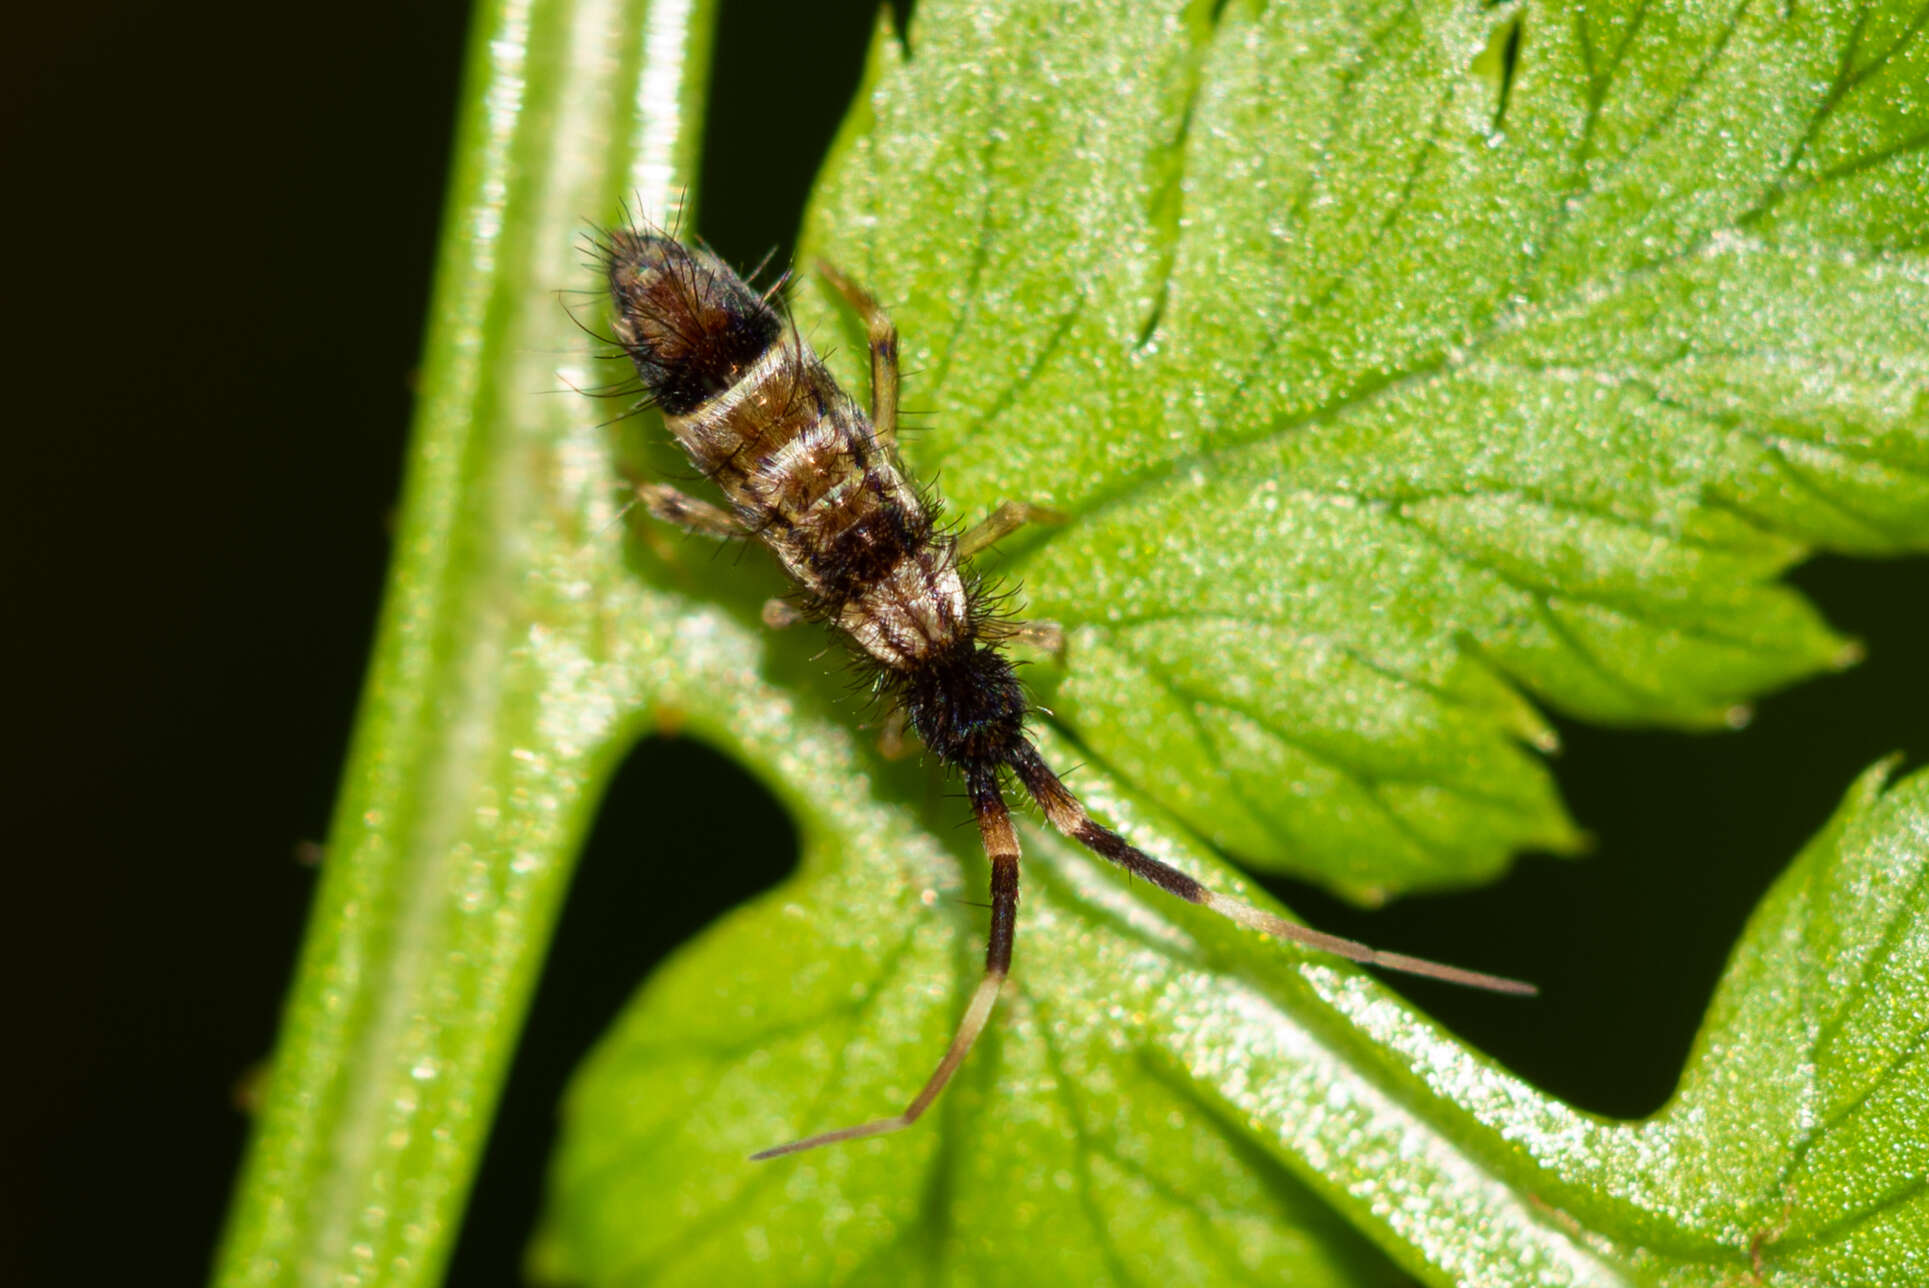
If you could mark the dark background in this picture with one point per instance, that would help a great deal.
(217, 238)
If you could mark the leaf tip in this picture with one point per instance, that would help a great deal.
(1851, 652)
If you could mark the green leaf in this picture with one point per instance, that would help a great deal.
(1374, 406)
(1387, 395)
(1160, 1101)
(1087, 1139)
(1795, 1146)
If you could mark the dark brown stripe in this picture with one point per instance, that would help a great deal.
(1004, 913)
(1001, 845)
(851, 560)
(689, 324)
(1068, 816)
(1107, 844)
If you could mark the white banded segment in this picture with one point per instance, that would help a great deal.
(712, 422)
(916, 609)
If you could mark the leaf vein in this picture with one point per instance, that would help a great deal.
(1367, 782)
(1553, 596)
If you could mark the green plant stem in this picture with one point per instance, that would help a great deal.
(480, 747)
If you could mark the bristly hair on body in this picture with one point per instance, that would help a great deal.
(818, 481)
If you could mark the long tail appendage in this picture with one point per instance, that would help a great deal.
(1001, 845)
(1064, 812)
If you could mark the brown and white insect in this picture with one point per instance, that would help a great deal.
(809, 474)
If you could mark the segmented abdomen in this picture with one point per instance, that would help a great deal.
(758, 413)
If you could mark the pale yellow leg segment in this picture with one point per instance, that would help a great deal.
(1046, 637)
(882, 335)
(1001, 523)
(780, 614)
(686, 512)
(1010, 516)
(894, 738)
